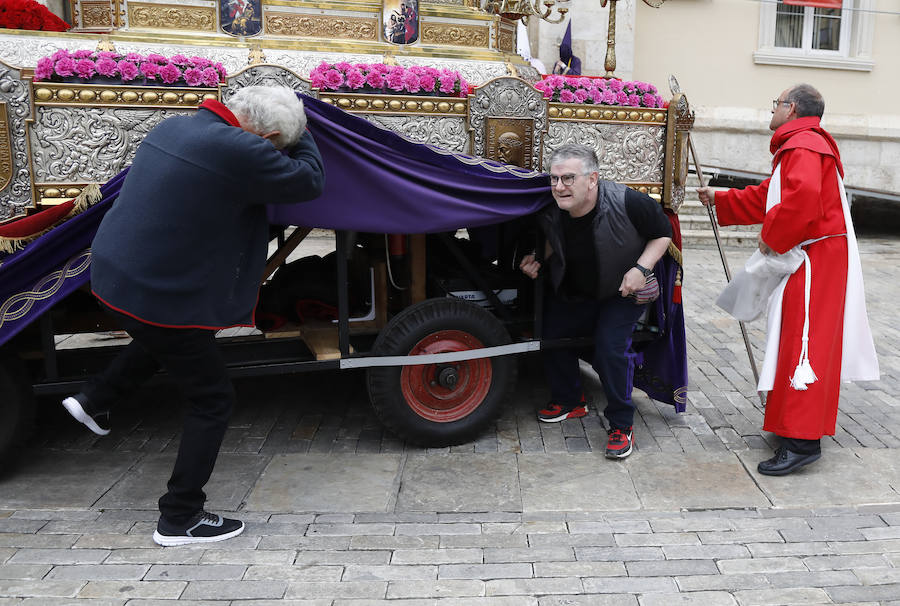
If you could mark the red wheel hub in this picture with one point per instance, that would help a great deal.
(446, 392)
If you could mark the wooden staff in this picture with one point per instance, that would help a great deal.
(715, 227)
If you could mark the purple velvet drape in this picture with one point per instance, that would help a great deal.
(377, 181)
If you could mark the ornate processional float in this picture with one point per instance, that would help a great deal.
(433, 82)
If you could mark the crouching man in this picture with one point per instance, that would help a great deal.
(603, 242)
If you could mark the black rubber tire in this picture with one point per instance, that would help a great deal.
(402, 334)
(17, 409)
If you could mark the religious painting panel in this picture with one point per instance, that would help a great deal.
(241, 17)
(400, 21)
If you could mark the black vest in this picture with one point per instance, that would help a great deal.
(617, 242)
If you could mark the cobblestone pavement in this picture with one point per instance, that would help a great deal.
(340, 513)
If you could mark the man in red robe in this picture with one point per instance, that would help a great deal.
(818, 312)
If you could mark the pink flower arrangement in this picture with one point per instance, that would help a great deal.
(599, 91)
(153, 68)
(377, 77)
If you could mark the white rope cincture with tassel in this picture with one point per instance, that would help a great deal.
(803, 374)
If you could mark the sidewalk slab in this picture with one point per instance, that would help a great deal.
(842, 477)
(460, 483)
(48, 478)
(707, 480)
(141, 488)
(327, 483)
(575, 482)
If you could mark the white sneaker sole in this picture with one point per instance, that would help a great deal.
(167, 541)
(77, 412)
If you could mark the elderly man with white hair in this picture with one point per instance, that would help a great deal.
(178, 256)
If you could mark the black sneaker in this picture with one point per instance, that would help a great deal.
(203, 527)
(81, 410)
(620, 443)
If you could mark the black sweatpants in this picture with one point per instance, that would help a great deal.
(192, 359)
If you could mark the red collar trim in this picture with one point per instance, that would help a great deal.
(219, 109)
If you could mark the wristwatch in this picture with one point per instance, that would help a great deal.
(643, 269)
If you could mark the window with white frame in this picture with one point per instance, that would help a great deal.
(812, 36)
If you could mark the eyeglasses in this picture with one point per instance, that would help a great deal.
(567, 180)
(777, 102)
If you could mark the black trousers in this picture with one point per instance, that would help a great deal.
(191, 358)
(611, 322)
(802, 446)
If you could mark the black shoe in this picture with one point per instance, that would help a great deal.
(786, 461)
(203, 527)
(79, 407)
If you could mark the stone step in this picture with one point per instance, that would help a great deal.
(703, 238)
(696, 229)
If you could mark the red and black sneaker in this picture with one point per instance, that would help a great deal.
(620, 443)
(554, 413)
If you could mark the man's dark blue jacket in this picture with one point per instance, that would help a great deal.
(185, 243)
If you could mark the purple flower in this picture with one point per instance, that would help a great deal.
(200, 62)
(107, 55)
(566, 96)
(355, 78)
(342, 66)
(60, 54)
(649, 100)
(333, 79)
(168, 73)
(621, 98)
(448, 83)
(609, 97)
(375, 79)
(210, 76)
(106, 67)
(643, 87)
(634, 100)
(155, 58)
(65, 67)
(82, 54)
(615, 85)
(555, 82)
(135, 57)
(427, 82)
(149, 70)
(601, 84)
(411, 82)
(179, 60)
(597, 95)
(581, 95)
(394, 80)
(380, 68)
(193, 76)
(586, 83)
(85, 68)
(316, 79)
(127, 70)
(44, 69)
(221, 69)
(660, 102)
